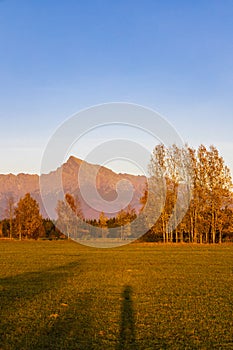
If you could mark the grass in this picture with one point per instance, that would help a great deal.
(60, 295)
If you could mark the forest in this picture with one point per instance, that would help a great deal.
(188, 198)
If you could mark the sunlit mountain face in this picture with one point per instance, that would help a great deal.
(17, 186)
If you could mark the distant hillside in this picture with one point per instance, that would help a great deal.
(18, 185)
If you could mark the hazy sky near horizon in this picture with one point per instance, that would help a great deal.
(57, 57)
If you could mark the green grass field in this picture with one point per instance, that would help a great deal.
(60, 295)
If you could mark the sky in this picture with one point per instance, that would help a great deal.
(59, 57)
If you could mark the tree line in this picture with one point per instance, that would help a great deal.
(24, 221)
(203, 183)
(189, 192)
(71, 221)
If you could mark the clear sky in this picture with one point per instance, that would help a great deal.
(57, 57)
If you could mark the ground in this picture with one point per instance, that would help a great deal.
(60, 295)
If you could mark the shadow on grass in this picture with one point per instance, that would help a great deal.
(73, 330)
(17, 291)
(127, 325)
(27, 285)
(74, 327)
(77, 328)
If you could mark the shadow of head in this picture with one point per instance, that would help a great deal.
(127, 293)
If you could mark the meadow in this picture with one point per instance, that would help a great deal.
(61, 295)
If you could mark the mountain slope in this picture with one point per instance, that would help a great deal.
(106, 184)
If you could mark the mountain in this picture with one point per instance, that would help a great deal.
(106, 184)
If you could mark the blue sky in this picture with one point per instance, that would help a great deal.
(57, 57)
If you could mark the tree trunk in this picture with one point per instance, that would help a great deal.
(213, 226)
(191, 229)
(195, 227)
(164, 230)
(20, 233)
(181, 236)
(201, 239)
(11, 227)
(166, 235)
(220, 236)
(190, 237)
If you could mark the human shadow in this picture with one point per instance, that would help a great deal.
(73, 324)
(127, 326)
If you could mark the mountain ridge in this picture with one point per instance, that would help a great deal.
(17, 186)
